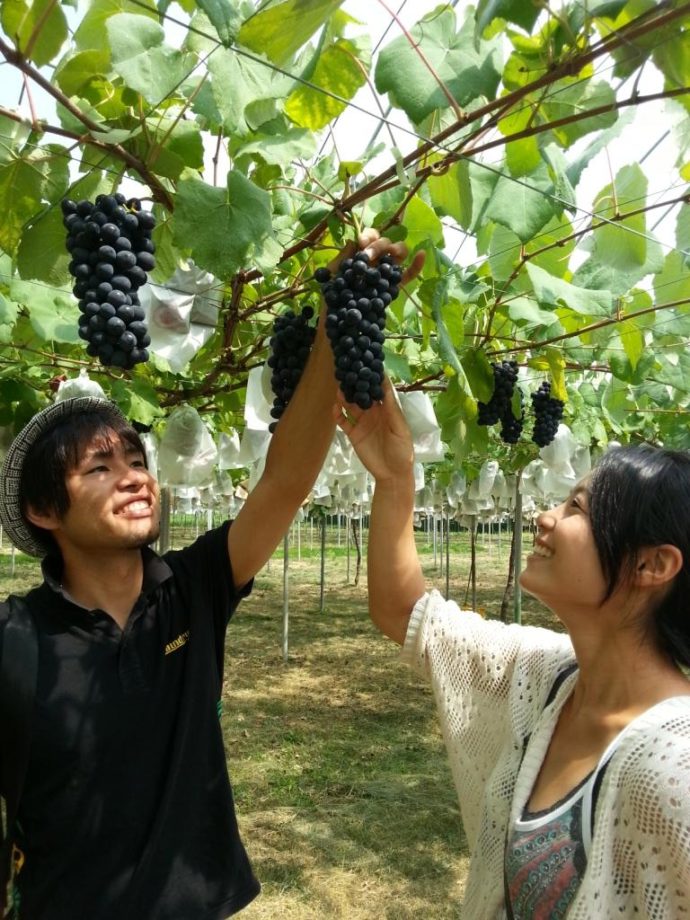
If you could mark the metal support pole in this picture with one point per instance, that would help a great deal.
(286, 601)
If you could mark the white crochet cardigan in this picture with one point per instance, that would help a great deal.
(491, 681)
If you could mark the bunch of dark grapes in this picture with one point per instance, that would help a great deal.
(356, 301)
(548, 413)
(498, 407)
(511, 427)
(112, 251)
(290, 346)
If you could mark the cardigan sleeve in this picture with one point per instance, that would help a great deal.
(490, 681)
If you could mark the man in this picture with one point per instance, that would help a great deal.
(126, 811)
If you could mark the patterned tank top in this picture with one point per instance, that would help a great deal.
(546, 858)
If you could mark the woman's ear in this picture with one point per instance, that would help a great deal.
(657, 565)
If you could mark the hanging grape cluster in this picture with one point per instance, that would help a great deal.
(511, 427)
(112, 251)
(290, 346)
(548, 413)
(505, 376)
(356, 300)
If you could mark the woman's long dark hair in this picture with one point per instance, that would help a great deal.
(638, 497)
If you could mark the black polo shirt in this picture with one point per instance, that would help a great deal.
(127, 812)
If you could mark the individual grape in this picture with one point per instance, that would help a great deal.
(355, 323)
(505, 375)
(111, 252)
(290, 346)
(548, 412)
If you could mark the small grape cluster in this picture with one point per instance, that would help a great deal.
(112, 251)
(548, 413)
(290, 346)
(511, 427)
(356, 301)
(498, 407)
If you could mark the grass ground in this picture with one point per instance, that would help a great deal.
(343, 790)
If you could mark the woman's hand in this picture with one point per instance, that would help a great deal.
(379, 435)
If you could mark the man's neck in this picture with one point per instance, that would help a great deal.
(111, 582)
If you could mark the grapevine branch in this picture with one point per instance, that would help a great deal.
(15, 58)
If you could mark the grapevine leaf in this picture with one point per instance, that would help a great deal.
(52, 313)
(451, 193)
(523, 156)
(554, 292)
(480, 376)
(557, 368)
(225, 17)
(683, 234)
(597, 144)
(422, 224)
(25, 185)
(672, 283)
(675, 373)
(141, 58)
(239, 82)
(466, 72)
(525, 311)
(91, 33)
(398, 366)
(225, 228)
(41, 253)
(517, 11)
(76, 73)
(522, 206)
(576, 99)
(8, 312)
(265, 32)
(339, 72)
(280, 149)
(632, 340)
(137, 398)
(13, 136)
(38, 28)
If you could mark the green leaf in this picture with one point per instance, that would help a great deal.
(451, 193)
(280, 149)
(525, 311)
(92, 34)
(397, 366)
(576, 100)
(76, 73)
(13, 136)
(465, 71)
(25, 185)
(225, 17)
(142, 60)
(602, 140)
(42, 253)
(480, 375)
(238, 82)
(38, 28)
(556, 360)
(683, 234)
(632, 340)
(137, 398)
(225, 229)
(675, 373)
(554, 292)
(523, 156)
(522, 206)
(337, 71)
(53, 314)
(421, 223)
(517, 11)
(266, 31)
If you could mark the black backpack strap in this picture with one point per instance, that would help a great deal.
(18, 676)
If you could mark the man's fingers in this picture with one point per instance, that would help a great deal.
(415, 267)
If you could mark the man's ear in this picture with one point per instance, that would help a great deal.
(48, 520)
(657, 565)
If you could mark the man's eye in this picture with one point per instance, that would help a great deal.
(98, 469)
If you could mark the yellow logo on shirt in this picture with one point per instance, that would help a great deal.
(181, 640)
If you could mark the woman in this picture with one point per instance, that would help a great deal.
(570, 752)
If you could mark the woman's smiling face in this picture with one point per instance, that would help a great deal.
(563, 570)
